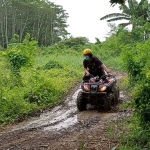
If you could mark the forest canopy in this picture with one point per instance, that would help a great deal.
(45, 21)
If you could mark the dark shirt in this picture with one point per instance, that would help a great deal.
(93, 64)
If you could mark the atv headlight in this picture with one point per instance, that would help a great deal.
(102, 88)
(86, 87)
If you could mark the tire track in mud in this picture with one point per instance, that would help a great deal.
(58, 123)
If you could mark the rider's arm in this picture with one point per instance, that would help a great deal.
(100, 63)
(86, 71)
(85, 68)
(105, 68)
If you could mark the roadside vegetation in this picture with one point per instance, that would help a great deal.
(35, 78)
(134, 51)
(37, 74)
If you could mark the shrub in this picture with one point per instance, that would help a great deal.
(138, 67)
(52, 64)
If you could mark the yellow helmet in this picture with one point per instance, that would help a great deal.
(87, 51)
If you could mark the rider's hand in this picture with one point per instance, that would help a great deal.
(87, 74)
(109, 74)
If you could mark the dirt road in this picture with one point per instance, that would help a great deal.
(64, 128)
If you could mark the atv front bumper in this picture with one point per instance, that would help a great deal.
(97, 93)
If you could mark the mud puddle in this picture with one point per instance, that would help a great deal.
(65, 115)
(53, 126)
(62, 117)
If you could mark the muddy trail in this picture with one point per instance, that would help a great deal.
(64, 127)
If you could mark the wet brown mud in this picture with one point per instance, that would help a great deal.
(63, 127)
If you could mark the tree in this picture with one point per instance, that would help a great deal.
(4, 11)
(113, 2)
(74, 42)
(44, 20)
(135, 13)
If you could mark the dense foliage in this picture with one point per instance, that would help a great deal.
(136, 13)
(133, 49)
(34, 78)
(44, 20)
(135, 54)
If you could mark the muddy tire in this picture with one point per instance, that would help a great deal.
(81, 102)
(108, 102)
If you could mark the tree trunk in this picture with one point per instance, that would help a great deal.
(6, 25)
(22, 29)
(2, 34)
(13, 22)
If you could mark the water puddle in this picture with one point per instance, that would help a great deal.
(59, 117)
(64, 116)
(63, 125)
(93, 114)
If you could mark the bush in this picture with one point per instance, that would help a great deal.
(13, 105)
(74, 43)
(52, 64)
(19, 55)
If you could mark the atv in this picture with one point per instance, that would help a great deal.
(99, 91)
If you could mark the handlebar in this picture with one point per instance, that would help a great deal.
(103, 77)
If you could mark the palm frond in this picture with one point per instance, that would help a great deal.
(124, 6)
(133, 4)
(119, 18)
(143, 9)
(114, 15)
(132, 11)
(124, 24)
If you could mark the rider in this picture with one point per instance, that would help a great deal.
(93, 65)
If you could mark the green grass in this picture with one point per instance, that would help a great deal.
(43, 84)
(39, 88)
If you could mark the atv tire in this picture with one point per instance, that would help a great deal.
(108, 102)
(81, 102)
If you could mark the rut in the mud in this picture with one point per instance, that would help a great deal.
(62, 122)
